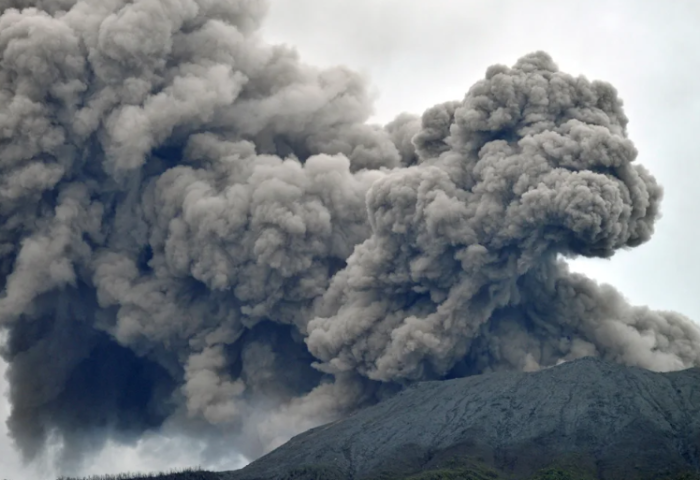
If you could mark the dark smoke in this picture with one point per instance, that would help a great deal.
(199, 229)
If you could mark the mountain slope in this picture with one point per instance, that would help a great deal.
(603, 420)
(583, 420)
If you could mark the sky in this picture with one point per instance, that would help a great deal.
(416, 56)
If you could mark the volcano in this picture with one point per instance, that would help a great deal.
(584, 419)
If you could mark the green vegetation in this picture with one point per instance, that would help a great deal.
(684, 476)
(455, 474)
(185, 474)
(472, 471)
(482, 473)
(558, 473)
(310, 472)
(454, 468)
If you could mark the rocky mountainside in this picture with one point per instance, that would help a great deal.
(583, 420)
(588, 417)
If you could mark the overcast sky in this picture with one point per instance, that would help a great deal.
(420, 53)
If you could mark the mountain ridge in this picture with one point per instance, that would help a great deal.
(602, 413)
(585, 419)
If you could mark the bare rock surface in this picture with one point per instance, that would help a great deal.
(616, 421)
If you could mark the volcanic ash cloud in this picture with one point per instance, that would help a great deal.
(198, 230)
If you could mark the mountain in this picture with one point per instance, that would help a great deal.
(588, 417)
(582, 420)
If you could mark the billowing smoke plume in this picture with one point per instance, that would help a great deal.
(199, 229)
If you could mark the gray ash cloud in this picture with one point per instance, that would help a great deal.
(199, 229)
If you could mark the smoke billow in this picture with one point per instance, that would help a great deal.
(200, 230)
